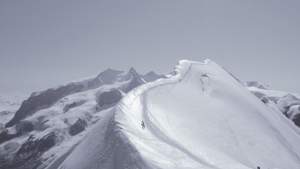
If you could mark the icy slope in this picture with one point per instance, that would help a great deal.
(199, 117)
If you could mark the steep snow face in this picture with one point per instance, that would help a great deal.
(203, 118)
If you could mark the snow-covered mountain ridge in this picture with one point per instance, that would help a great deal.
(198, 116)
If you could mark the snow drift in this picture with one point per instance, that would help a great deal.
(199, 117)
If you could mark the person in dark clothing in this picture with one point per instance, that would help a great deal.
(143, 124)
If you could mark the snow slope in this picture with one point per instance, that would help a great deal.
(199, 117)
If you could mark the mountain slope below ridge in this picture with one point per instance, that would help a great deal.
(198, 117)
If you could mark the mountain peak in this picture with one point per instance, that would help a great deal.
(109, 75)
(133, 71)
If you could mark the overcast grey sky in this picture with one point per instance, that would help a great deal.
(44, 43)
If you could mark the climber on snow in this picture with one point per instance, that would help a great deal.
(204, 75)
(203, 80)
(143, 124)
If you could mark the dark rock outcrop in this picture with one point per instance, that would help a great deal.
(5, 136)
(109, 76)
(135, 80)
(151, 76)
(77, 127)
(108, 98)
(296, 119)
(72, 105)
(34, 146)
(29, 154)
(24, 127)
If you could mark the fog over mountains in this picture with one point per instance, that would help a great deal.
(199, 116)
